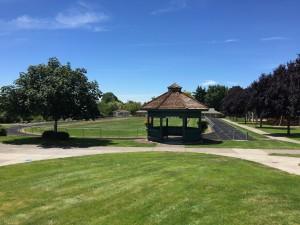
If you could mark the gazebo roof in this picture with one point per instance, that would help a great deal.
(174, 99)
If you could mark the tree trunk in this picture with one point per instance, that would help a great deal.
(246, 118)
(288, 126)
(280, 122)
(55, 126)
(260, 121)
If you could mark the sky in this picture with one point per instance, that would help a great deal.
(136, 48)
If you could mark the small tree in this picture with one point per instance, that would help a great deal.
(132, 106)
(56, 91)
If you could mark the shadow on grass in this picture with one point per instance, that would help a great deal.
(292, 135)
(71, 143)
(205, 142)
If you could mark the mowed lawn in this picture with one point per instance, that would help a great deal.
(115, 127)
(118, 127)
(148, 188)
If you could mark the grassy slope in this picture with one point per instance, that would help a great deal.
(148, 188)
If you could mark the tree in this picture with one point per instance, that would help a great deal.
(214, 96)
(132, 106)
(109, 103)
(260, 100)
(232, 104)
(200, 94)
(109, 97)
(56, 91)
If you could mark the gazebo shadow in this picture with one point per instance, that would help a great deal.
(71, 143)
(179, 141)
(205, 142)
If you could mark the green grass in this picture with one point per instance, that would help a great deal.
(122, 127)
(127, 127)
(287, 155)
(251, 144)
(74, 142)
(148, 189)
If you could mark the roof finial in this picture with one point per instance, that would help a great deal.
(175, 88)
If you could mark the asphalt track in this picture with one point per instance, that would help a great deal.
(224, 131)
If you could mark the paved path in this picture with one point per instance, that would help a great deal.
(225, 131)
(11, 154)
(266, 134)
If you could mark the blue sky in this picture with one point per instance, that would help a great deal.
(136, 48)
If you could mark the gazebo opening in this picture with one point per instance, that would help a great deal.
(174, 114)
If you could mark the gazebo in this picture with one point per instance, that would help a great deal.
(173, 103)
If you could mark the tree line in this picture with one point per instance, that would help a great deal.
(274, 95)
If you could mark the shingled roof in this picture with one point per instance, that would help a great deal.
(174, 99)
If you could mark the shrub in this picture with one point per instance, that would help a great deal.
(51, 135)
(3, 131)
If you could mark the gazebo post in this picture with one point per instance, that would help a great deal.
(184, 124)
(167, 125)
(161, 127)
(148, 121)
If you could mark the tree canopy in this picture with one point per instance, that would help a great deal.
(54, 91)
(215, 95)
(273, 95)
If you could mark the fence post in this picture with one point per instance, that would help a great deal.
(233, 135)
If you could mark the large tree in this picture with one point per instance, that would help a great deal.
(56, 92)
(199, 94)
(214, 96)
(233, 104)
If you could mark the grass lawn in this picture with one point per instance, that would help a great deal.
(251, 144)
(74, 142)
(117, 127)
(287, 155)
(148, 188)
(122, 127)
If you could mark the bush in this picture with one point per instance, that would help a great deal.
(3, 131)
(204, 126)
(51, 135)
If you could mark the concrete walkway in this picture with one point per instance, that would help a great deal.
(11, 154)
(266, 134)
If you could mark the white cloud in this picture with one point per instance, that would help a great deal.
(173, 6)
(207, 83)
(274, 38)
(231, 40)
(80, 16)
(227, 41)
